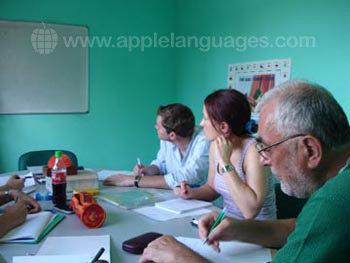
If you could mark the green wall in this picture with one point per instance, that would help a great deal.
(199, 73)
(126, 87)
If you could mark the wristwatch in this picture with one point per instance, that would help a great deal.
(8, 196)
(137, 180)
(227, 168)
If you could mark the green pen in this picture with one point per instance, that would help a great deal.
(217, 221)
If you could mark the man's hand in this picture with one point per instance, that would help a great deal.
(223, 231)
(139, 169)
(168, 250)
(15, 182)
(119, 180)
(31, 204)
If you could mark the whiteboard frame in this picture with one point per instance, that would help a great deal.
(24, 88)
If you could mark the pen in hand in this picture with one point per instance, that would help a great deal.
(216, 223)
(184, 186)
(139, 164)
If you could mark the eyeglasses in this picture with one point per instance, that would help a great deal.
(263, 150)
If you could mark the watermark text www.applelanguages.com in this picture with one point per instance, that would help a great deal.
(203, 43)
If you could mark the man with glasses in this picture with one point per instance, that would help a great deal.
(304, 136)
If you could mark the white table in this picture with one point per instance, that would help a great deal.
(120, 224)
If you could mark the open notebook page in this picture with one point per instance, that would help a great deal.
(31, 228)
(53, 259)
(73, 245)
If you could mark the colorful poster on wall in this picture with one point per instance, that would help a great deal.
(254, 79)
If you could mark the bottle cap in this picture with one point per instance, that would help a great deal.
(58, 154)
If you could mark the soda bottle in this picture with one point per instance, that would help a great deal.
(58, 179)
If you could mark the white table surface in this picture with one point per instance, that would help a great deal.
(120, 224)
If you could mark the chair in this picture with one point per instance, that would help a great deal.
(287, 206)
(36, 158)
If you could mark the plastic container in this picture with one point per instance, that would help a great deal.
(58, 179)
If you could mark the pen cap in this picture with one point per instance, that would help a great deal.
(91, 214)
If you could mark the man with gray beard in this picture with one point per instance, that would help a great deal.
(304, 136)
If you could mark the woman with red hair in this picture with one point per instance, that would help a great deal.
(234, 169)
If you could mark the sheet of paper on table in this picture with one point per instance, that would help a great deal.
(159, 214)
(231, 252)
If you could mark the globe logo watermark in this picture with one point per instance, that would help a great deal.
(44, 40)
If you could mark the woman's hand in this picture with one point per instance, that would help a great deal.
(184, 190)
(223, 148)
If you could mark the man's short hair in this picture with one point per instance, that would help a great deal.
(177, 118)
(308, 108)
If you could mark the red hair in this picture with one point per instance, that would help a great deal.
(230, 106)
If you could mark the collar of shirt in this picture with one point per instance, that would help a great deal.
(176, 149)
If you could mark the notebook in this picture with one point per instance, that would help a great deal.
(34, 229)
(73, 245)
(179, 206)
(75, 249)
(128, 200)
(52, 259)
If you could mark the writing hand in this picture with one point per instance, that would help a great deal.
(223, 231)
(184, 190)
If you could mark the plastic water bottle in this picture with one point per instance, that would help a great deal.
(58, 179)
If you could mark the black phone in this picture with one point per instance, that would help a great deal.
(137, 244)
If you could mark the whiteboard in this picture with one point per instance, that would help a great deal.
(39, 71)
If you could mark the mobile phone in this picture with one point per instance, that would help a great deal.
(137, 244)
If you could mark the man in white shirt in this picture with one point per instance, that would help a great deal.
(183, 153)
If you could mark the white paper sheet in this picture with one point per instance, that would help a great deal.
(158, 214)
(103, 174)
(231, 252)
(72, 245)
(53, 259)
(179, 206)
(36, 169)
